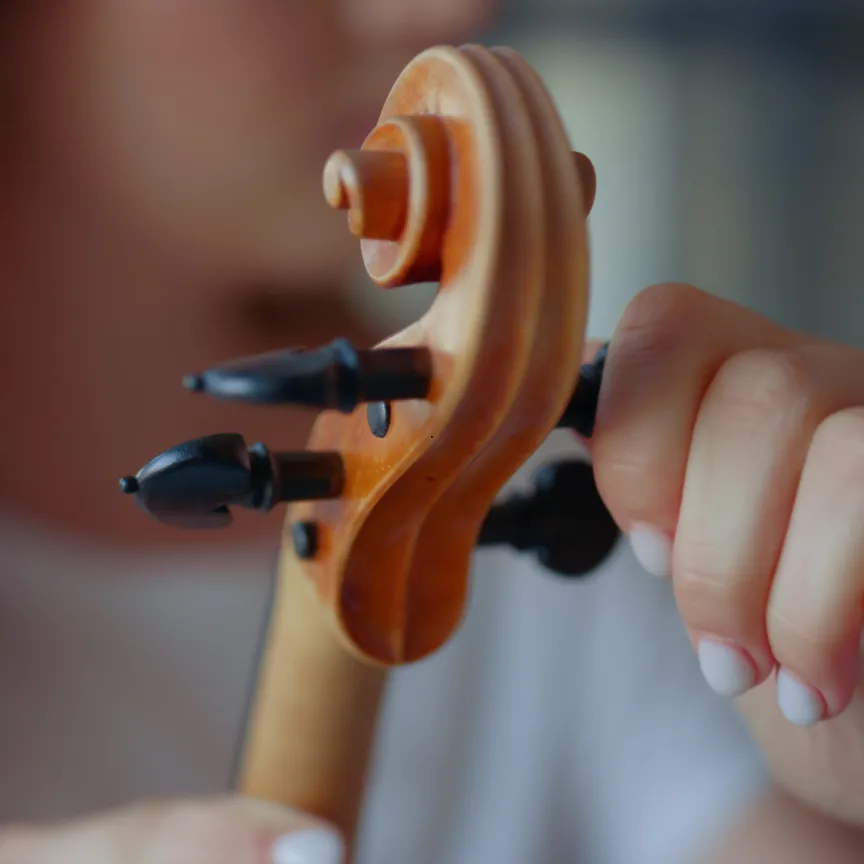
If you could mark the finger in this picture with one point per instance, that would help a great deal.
(815, 607)
(233, 831)
(750, 442)
(591, 349)
(667, 348)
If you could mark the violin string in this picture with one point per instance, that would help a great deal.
(252, 682)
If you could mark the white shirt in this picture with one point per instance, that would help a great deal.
(565, 722)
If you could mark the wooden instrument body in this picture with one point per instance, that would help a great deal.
(469, 180)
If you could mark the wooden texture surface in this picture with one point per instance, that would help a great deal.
(468, 179)
(313, 719)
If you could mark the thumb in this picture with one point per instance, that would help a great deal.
(591, 349)
(205, 831)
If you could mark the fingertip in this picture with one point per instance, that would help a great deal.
(245, 828)
(729, 670)
(799, 703)
(817, 685)
(164, 832)
(652, 548)
(591, 349)
(294, 837)
(318, 845)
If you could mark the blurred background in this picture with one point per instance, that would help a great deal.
(728, 139)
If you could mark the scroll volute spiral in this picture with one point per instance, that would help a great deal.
(469, 180)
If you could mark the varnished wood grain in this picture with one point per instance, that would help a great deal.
(469, 179)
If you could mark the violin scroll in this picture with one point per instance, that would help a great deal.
(397, 191)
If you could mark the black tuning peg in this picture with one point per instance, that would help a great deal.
(581, 411)
(194, 484)
(563, 521)
(337, 376)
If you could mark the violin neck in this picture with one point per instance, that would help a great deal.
(312, 725)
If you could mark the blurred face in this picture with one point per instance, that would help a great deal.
(161, 157)
(204, 124)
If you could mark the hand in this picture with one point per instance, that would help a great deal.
(732, 453)
(233, 831)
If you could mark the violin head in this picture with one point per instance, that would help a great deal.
(467, 180)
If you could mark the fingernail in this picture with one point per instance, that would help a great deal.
(653, 550)
(313, 846)
(728, 669)
(799, 704)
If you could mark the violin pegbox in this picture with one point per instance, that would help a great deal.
(467, 180)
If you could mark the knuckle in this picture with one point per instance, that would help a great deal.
(803, 640)
(761, 387)
(704, 583)
(711, 597)
(626, 478)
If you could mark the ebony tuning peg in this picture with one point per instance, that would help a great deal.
(564, 522)
(337, 376)
(194, 484)
(581, 411)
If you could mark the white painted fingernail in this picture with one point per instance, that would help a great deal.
(313, 846)
(799, 704)
(727, 669)
(653, 550)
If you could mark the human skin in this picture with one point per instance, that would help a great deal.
(738, 446)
